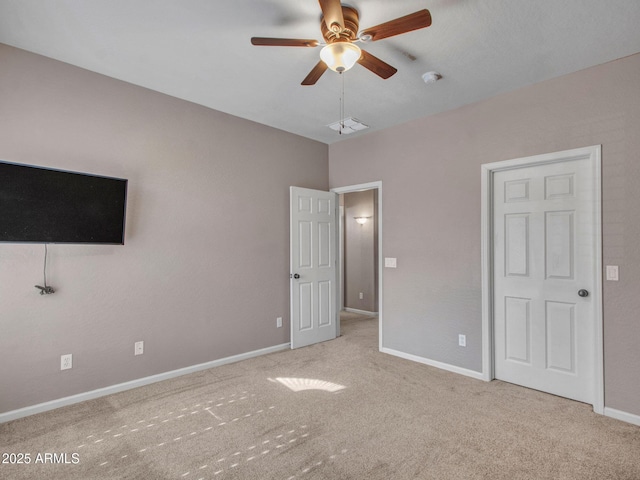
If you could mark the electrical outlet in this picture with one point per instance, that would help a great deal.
(361, 295)
(138, 348)
(279, 322)
(66, 361)
(462, 340)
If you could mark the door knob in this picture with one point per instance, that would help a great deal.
(583, 293)
(296, 276)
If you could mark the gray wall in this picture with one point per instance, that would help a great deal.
(206, 254)
(205, 269)
(360, 252)
(430, 169)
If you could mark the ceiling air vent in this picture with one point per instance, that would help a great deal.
(348, 125)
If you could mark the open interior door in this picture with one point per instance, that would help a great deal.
(314, 242)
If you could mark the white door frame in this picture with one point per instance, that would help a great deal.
(358, 188)
(340, 261)
(593, 153)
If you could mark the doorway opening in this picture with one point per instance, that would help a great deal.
(360, 252)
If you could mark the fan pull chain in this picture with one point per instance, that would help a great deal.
(342, 105)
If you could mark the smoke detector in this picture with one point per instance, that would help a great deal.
(431, 77)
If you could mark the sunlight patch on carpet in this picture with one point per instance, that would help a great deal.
(301, 384)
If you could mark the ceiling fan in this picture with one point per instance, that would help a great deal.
(339, 26)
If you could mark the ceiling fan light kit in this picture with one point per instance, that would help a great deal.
(339, 26)
(340, 56)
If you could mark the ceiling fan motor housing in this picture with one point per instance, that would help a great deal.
(350, 31)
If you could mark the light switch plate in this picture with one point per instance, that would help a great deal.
(612, 273)
(390, 262)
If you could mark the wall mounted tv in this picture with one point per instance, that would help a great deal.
(43, 205)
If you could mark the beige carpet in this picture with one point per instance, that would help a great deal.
(337, 410)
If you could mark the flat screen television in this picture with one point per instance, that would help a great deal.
(44, 205)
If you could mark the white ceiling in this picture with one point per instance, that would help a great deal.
(199, 50)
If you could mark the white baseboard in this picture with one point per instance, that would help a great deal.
(361, 312)
(620, 415)
(101, 392)
(434, 363)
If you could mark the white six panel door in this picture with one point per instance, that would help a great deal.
(314, 306)
(544, 254)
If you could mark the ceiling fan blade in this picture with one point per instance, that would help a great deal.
(315, 74)
(332, 12)
(376, 65)
(408, 23)
(283, 42)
